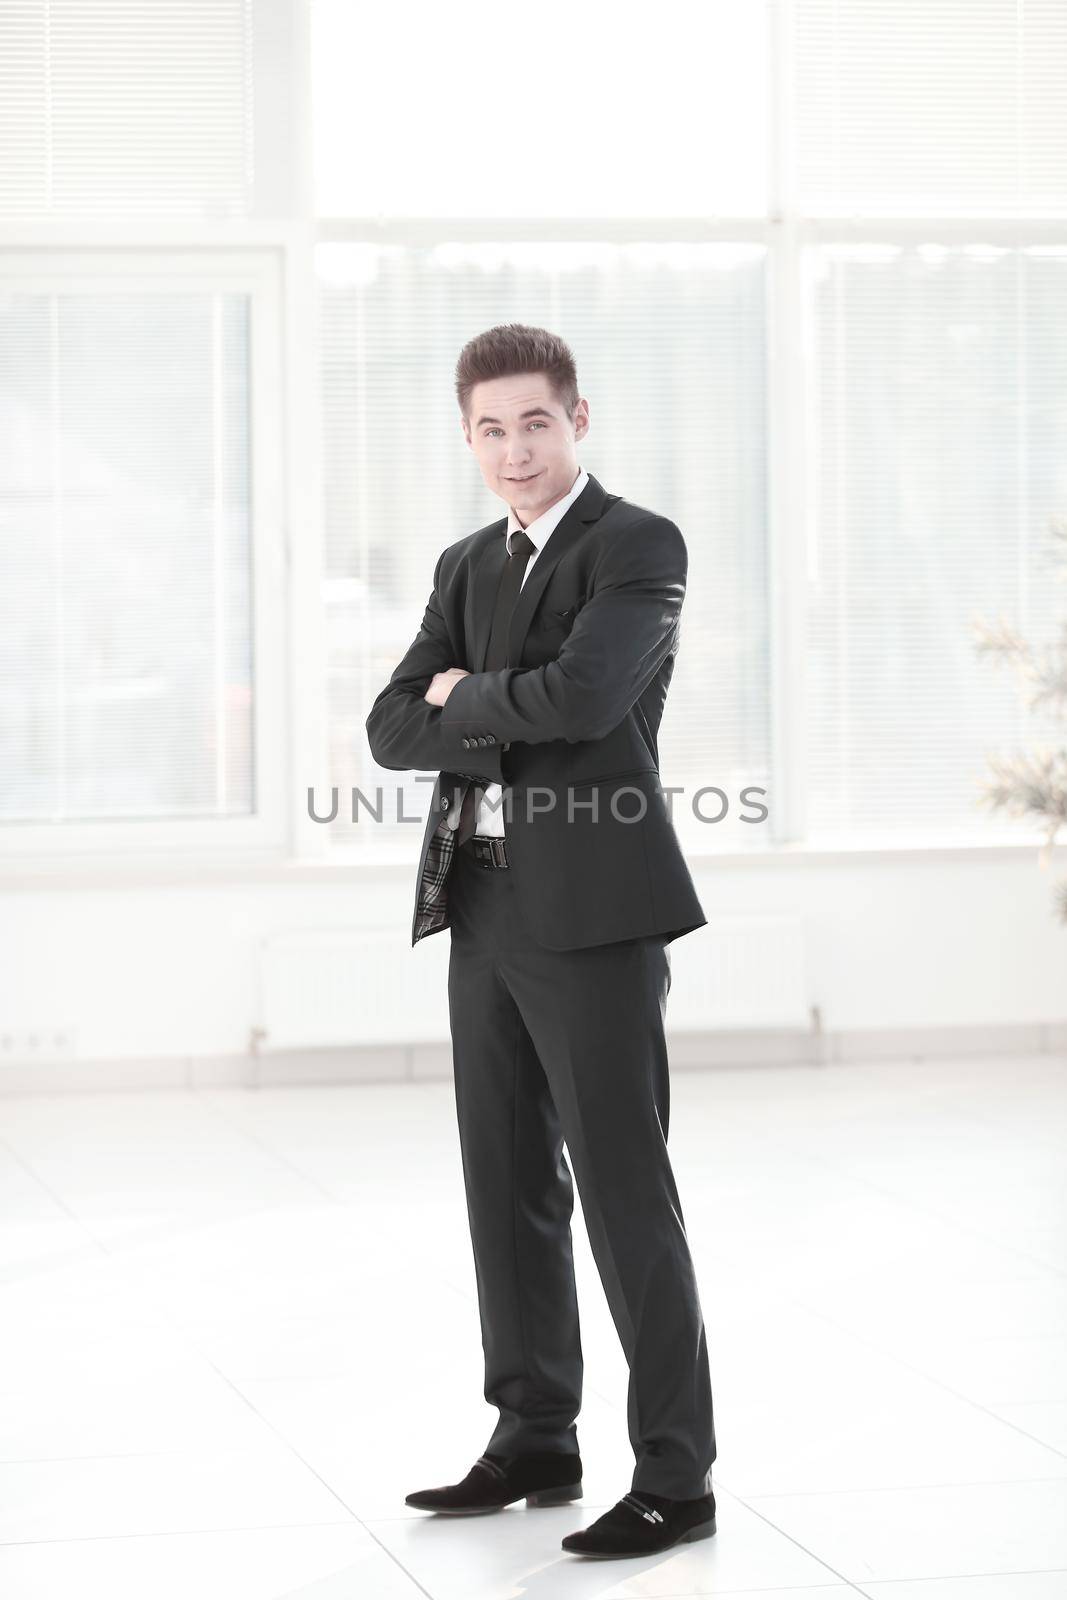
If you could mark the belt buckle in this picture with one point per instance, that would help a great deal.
(490, 852)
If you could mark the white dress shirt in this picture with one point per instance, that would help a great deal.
(489, 819)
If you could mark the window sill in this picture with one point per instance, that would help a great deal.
(400, 862)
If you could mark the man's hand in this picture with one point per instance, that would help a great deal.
(442, 685)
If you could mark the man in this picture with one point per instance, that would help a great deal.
(535, 686)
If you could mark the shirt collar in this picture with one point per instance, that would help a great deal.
(540, 530)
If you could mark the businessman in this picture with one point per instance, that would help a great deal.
(535, 688)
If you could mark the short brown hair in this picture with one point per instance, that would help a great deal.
(511, 348)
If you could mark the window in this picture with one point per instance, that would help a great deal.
(142, 683)
(125, 564)
(931, 201)
(131, 109)
(930, 108)
(136, 711)
(812, 258)
(940, 462)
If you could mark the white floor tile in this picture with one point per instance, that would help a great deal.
(189, 1409)
(109, 1496)
(1007, 1586)
(949, 1532)
(1046, 1422)
(322, 1562)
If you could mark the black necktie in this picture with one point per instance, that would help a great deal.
(496, 656)
(522, 548)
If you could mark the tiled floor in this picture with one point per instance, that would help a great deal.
(236, 1327)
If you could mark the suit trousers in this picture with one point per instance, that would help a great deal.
(567, 1046)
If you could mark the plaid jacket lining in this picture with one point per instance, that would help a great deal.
(432, 913)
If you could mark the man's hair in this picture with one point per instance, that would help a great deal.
(512, 348)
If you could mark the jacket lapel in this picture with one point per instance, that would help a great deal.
(481, 596)
(588, 507)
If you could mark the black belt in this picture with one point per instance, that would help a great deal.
(488, 850)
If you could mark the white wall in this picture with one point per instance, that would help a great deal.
(167, 969)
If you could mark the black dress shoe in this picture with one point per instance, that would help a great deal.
(495, 1481)
(642, 1524)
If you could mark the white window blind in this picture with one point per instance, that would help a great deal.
(668, 341)
(939, 464)
(932, 108)
(125, 562)
(125, 107)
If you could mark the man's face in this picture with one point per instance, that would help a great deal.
(524, 441)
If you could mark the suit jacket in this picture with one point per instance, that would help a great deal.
(570, 730)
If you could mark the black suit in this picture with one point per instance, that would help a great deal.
(559, 968)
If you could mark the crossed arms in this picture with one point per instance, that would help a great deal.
(620, 639)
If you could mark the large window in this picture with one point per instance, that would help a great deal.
(811, 256)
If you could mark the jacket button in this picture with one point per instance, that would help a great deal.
(444, 802)
(491, 738)
(465, 743)
(482, 740)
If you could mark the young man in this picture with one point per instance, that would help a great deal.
(535, 686)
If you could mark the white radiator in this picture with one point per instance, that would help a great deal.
(740, 972)
(351, 986)
(338, 986)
